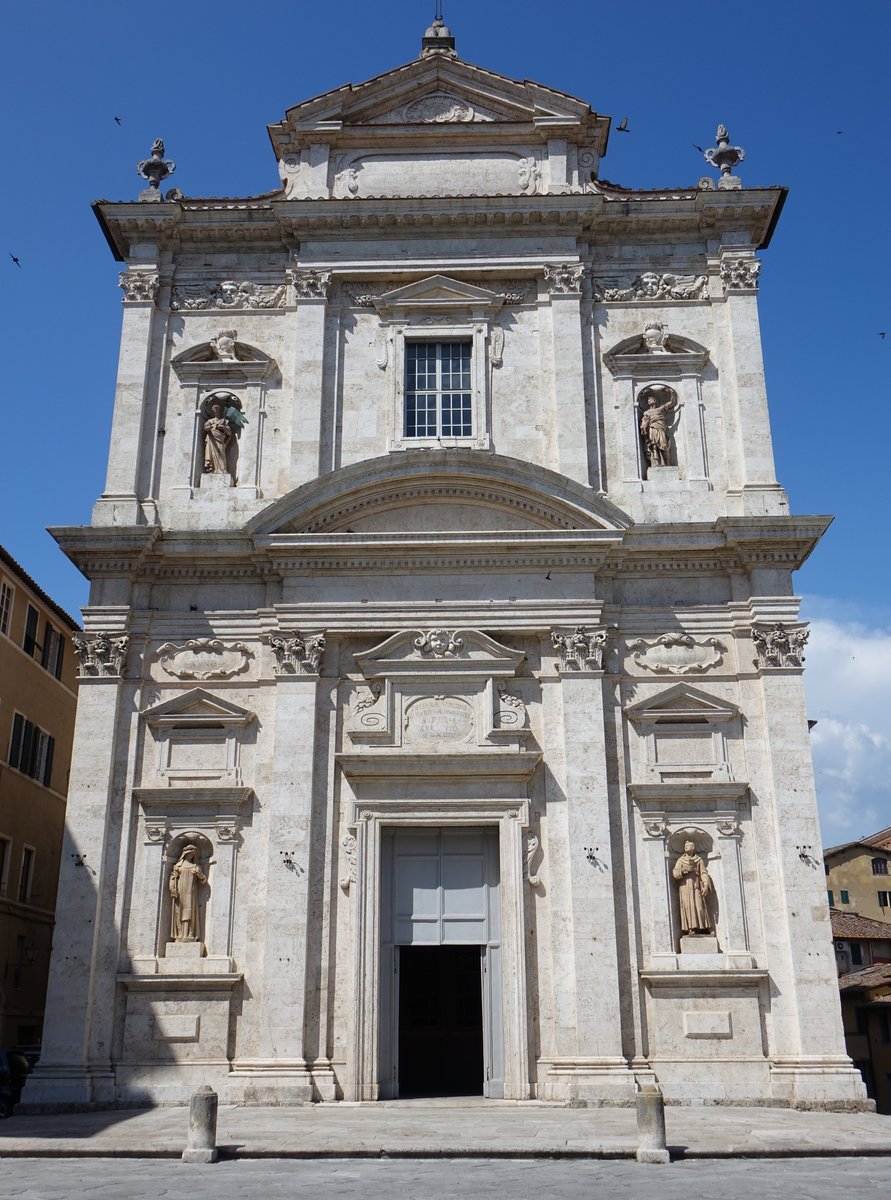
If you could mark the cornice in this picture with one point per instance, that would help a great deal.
(601, 216)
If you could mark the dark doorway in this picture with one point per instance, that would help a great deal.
(440, 1021)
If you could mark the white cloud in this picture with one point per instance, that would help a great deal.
(848, 686)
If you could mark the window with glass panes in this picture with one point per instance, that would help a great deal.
(437, 390)
(5, 606)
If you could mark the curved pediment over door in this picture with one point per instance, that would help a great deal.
(454, 491)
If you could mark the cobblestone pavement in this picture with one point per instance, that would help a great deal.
(465, 1179)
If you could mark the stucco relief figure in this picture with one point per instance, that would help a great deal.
(655, 424)
(217, 436)
(694, 889)
(185, 880)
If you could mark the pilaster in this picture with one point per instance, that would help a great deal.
(564, 284)
(119, 502)
(311, 291)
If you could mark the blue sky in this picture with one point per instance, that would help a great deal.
(209, 76)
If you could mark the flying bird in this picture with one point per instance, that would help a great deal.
(117, 120)
(622, 126)
(548, 576)
(699, 148)
(882, 335)
(18, 264)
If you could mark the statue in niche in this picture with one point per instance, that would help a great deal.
(223, 423)
(656, 423)
(694, 889)
(185, 880)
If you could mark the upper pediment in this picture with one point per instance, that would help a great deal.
(438, 292)
(682, 703)
(440, 92)
(438, 127)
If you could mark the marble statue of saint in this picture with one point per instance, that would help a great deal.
(694, 889)
(655, 425)
(185, 879)
(217, 436)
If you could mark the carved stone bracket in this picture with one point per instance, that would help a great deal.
(780, 646)
(349, 844)
(530, 850)
(139, 287)
(740, 274)
(296, 654)
(677, 654)
(309, 284)
(565, 279)
(229, 293)
(157, 830)
(582, 650)
(729, 828)
(101, 656)
(653, 285)
(204, 658)
(656, 828)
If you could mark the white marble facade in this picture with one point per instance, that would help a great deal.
(529, 636)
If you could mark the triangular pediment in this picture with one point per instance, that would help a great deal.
(438, 291)
(445, 92)
(681, 703)
(197, 707)
(463, 651)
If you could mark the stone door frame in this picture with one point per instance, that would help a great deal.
(511, 816)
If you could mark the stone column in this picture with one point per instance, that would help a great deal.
(588, 1033)
(119, 502)
(311, 288)
(84, 962)
(564, 283)
(807, 1048)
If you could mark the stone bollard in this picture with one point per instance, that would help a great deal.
(651, 1125)
(202, 1144)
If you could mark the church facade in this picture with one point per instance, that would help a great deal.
(441, 726)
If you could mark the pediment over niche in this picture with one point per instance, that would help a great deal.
(656, 351)
(221, 359)
(439, 653)
(197, 707)
(438, 292)
(681, 704)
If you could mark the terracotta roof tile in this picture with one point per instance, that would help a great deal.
(853, 926)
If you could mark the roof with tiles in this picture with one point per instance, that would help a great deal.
(854, 927)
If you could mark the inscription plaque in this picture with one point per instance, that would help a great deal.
(439, 719)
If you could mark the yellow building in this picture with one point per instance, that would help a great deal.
(38, 697)
(858, 876)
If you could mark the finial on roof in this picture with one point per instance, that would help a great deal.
(725, 157)
(155, 169)
(438, 39)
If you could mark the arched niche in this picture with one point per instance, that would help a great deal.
(222, 366)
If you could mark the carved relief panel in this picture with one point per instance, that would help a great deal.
(438, 692)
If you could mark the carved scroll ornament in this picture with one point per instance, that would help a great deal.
(565, 279)
(677, 654)
(204, 658)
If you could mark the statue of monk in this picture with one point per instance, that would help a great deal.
(694, 889)
(185, 879)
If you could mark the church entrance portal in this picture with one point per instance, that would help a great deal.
(440, 1020)
(442, 1027)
